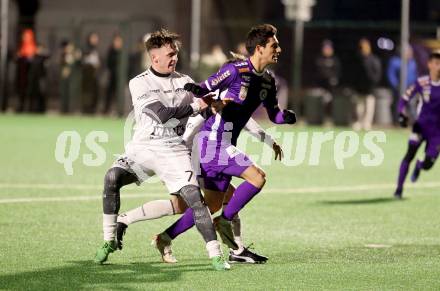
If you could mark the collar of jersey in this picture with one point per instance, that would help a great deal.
(251, 67)
(435, 83)
(159, 74)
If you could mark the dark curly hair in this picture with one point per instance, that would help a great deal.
(162, 37)
(259, 35)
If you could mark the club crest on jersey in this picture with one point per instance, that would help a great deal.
(426, 94)
(220, 78)
(267, 77)
(243, 92)
(263, 94)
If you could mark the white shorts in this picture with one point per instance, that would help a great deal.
(171, 164)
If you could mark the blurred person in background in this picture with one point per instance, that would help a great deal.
(367, 77)
(113, 65)
(37, 80)
(241, 49)
(393, 76)
(5, 93)
(427, 123)
(328, 71)
(91, 64)
(69, 62)
(212, 61)
(25, 55)
(139, 59)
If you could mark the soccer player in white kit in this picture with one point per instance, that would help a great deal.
(161, 110)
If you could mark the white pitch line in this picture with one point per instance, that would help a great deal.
(63, 199)
(322, 189)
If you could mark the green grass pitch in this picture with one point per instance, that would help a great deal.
(321, 227)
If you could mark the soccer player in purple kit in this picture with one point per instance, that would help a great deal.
(243, 85)
(427, 124)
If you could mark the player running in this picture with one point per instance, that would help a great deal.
(161, 109)
(243, 85)
(427, 125)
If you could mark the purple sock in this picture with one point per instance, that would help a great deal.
(403, 172)
(185, 222)
(242, 195)
(419, 165)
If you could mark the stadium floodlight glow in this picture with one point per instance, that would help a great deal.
(385, 43)
(298, 9)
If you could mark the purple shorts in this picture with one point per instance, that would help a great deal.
(216, 174)
(432, 138)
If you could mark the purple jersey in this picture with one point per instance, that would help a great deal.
(239, 82)
(428, 93)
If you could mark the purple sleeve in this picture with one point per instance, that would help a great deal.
(271, 105)
(220, 80)
(407, 96)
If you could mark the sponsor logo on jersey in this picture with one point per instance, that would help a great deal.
(263, 94)
(243, 92)
(143, 96)
(246, 78)
(267, 77)
(155, 91)
(168, 91)
(243, 70)
(220, 78)
(240, 64)
(267, 86)
(180, 91)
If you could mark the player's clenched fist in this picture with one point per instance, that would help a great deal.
(289, 116)
(193, 88)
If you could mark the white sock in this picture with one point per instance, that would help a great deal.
(213, 248)
(150, 210)
(109, 226)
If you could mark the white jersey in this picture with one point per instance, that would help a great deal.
(156, 148)
(148, 88)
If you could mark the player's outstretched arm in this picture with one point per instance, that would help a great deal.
(164, 113)
(258, 132)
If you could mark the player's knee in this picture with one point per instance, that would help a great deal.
(260, 178)
(111, 179)
(179, 205)
(411, 153)
(111, 199)
(192, 196)
(428, 163)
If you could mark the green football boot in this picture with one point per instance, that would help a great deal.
(219, 263)
(103, 252)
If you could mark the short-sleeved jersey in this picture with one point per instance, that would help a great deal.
(428, 93)
(148, 88)
(239, 82)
